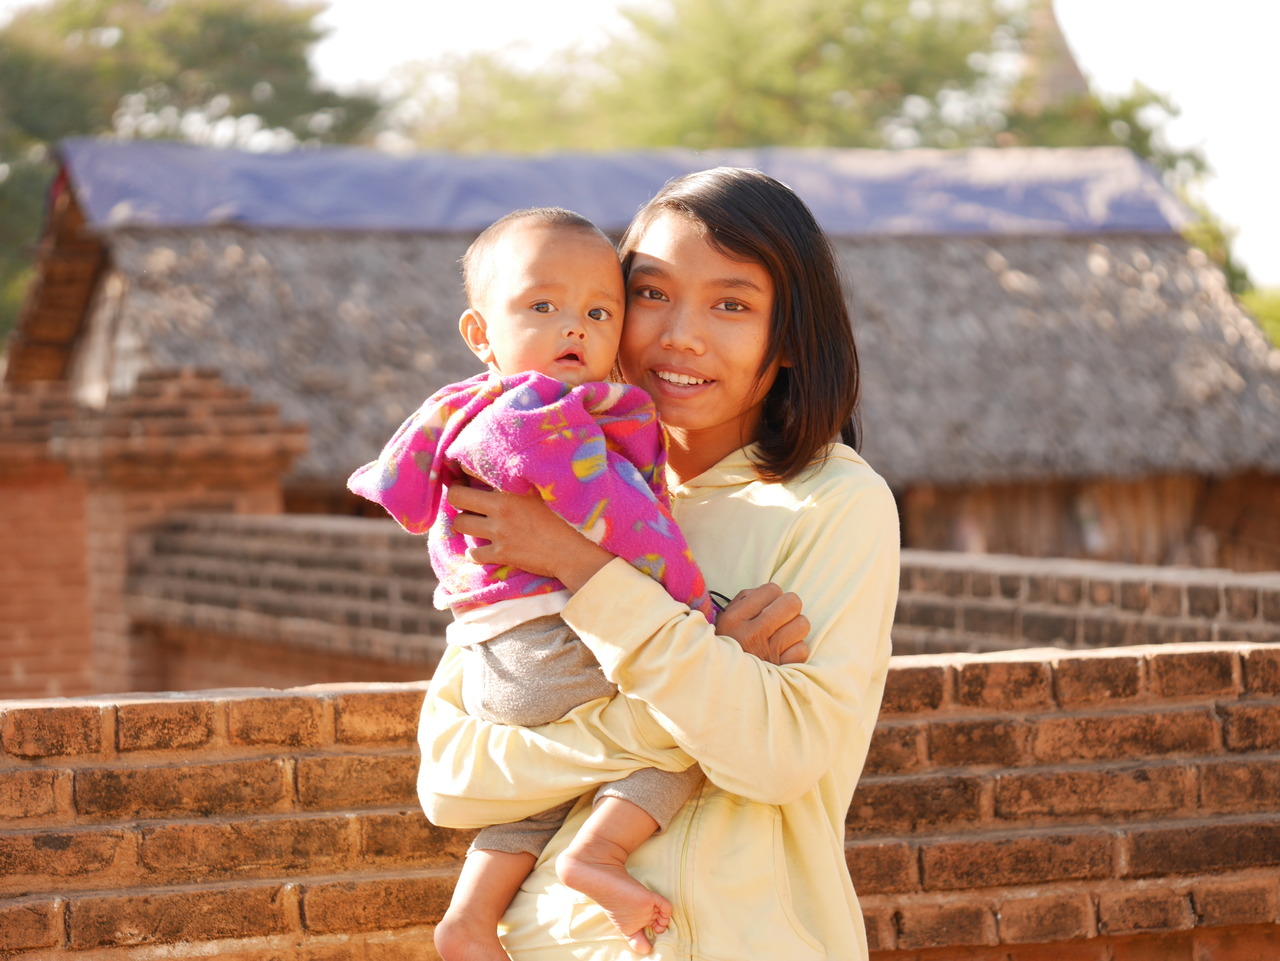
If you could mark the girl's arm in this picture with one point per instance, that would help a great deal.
(735, 714)
(461, 786)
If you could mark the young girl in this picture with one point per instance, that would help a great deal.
(737, 327)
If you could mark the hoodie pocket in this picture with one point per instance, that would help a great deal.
(738, 899)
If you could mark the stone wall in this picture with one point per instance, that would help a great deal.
(986, 602)
(1022, 806)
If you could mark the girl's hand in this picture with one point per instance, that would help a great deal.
(767, 623)
(523, 532)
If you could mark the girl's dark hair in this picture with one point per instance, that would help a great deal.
(750, 216)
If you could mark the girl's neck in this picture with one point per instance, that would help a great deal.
(690, 454)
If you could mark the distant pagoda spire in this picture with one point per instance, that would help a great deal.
(1050, 72)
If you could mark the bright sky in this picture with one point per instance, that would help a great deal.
(1215, 58)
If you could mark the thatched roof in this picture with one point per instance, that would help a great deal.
(1047, 348)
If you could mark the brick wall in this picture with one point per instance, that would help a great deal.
(988, 602)
(281, 601)
(45, 631)
(1024, 806)
(82, 481)
(284, 600)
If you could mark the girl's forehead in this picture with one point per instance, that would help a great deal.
(676, 244)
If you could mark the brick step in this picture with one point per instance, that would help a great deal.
(334, 905)
(982, 857)
(1056, 915)
(387, 544)
(292, 846)
(926, 803)
(178, 574)
(1147, 731)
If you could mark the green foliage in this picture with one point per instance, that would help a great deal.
(225, 72)
(723, 73)
(1264, 306)
(1135, 121)
(1209, 234)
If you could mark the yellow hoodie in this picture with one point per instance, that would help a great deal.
(753, 864)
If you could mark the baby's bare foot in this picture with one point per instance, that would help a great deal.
(594, 869)
(459, 938)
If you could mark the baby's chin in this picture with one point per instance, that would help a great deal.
(574, 376)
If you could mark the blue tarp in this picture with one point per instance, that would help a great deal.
(852, 192)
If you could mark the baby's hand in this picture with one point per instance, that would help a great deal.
(767, 623)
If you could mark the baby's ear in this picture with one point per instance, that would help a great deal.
(472, 327)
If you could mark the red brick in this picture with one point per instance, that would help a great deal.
(335, 783)
(1155, 947)
(1241, 602)
(945, 925)
(229, 787)
(1134, 595)
(203, 915)
(882, 931)
(30, 923)
(914, 803)
(1240, 786)
(163, 725)
(1261, 670)
(27, 794)
(1204, 600)
(1004, 685)
(1251, 727)
(1255, 942)
(1102, 593)
(912, 690)
(1004, 862)
(964, 743)
(1049, 918)
(279, 847)
(1093, 680)
(1075, 793)
(1166, 600)
(1255, 901)
(1182, 673)
(882, 868)
(990, 620)
(1050, 627)
(896, 748)
(1269, 604)
(52, 858)
(388, 717)
(407, 837)
(1112, 631)
(1202, 848)
(386, 903)
(939, 580)
(1124, 736)
(927, 613)
(1152, 909)
(61, 731)
(289, 721)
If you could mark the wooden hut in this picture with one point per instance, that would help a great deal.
(1049, 369)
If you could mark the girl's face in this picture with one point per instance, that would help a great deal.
(695, 335)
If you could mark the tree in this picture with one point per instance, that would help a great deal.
(213, 71)
(725, 73)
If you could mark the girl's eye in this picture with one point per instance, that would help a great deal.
(543, 307)
(649, 293)
(598, 313)
(733, 306)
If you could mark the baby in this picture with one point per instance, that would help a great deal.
(546, 300)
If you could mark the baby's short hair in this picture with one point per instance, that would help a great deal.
(473, 261)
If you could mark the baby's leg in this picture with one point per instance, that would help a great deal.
(595, 864)
(488, 881)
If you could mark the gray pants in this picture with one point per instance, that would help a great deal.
(533, 674)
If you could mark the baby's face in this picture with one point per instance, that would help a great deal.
(553, 303)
